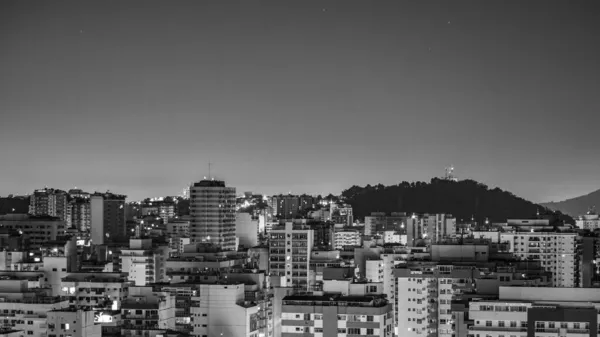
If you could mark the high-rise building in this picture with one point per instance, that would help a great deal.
(81, 216)
(285, 206)
(289, 248)
(212, 213)
(36, 229)
(52, 202)
(144, 262)
(246, 229)
(557, 252)
(107, 218)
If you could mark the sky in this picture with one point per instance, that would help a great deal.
(137, 97)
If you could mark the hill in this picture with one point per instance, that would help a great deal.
(576, 206)
(14, 205)
(463, 199)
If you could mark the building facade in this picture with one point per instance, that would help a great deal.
(107, 218)
(212, 212)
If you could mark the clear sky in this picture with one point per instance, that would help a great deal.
(305, 96)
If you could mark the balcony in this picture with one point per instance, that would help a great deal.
(497, 328)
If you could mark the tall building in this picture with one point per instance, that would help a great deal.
(557, 252)
(433, 228)
(81, 216)
(52, 202)
(212, 213)
(590, 221)
(285, 206)
(289, 248)
(246, 229)
(107, 218)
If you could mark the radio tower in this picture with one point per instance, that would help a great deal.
(450, 174)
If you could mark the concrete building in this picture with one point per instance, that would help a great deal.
(290, 249)
(144, 262)
(329, 315)
(537, 311)
(341, 214)
(51, 202)
(147, 313)
(107, 218)
(104, 291)
(557, 252)
(346, 238)
(36, 229)
(222, 310)
(246, 230)
(430, 228)
(212, 211)
(424, 298)
(285, 206)
(81, 214)
(72, 322)
(590, 221)
(379, 222)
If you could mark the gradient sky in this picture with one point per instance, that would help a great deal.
(303, 96)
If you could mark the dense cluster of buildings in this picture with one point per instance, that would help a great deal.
(91, 264)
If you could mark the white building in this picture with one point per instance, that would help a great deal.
(589, 221)
(557, 253)
(346, 238)
(73, 322)
(289, 249)
(394, 237)
(221, 310)
(246, 230)
(155, 309)
(144, 263)
(537, 311)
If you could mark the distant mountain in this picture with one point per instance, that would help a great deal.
(463, 199)
(576, 206)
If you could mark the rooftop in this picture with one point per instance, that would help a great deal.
(335, 300)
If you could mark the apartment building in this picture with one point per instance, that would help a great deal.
(103, 291)
(424, 297)
(147, 312)
(107, 212)
(72, 322)
(290, 249)
(36, 229)
(212, 212)
(221, 309)
(537, 312)
(557, 253)
(51, 202)
(589, 221)
(81, 214)
(144, 262)
(346, 238)
(329, 315)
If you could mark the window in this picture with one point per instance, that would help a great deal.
(370, 332)
(369, 318)
(354, 331)
(341, 330)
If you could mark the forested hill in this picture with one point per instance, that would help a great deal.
(463, 199)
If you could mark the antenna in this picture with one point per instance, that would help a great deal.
(209, 167)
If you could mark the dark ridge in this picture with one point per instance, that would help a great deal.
(464, 199)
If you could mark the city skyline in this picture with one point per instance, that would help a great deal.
(312, 98)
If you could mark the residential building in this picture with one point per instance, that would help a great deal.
(81, 214)
(346, 238)
(537, 311)
(147, 313)
(290, 249)
(590, 221)
(221, 309)
(107, 218)
(51, 202)
(246, 229)
(36, 229)
(144, 262)
(329, 315)
(212, 211)
(103, 291)
(557, 253)
(72, 322)
(285, 206)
